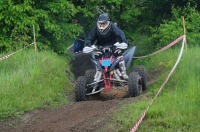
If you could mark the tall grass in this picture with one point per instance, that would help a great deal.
(29, 81)
(177, 107)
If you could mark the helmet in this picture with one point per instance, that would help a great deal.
(103, 24)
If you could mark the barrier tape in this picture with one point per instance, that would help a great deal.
(5, 57)
(70, 46)
(164, 48)
(166, 80)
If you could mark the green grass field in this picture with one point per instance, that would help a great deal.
(177, 107)
(29, 81)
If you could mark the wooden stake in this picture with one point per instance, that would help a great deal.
(184, 29)
(34, 39)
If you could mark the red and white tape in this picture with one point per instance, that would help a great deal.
(164, 48)
(134, 129)
(5, 57)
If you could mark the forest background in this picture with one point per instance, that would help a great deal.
(148, 24)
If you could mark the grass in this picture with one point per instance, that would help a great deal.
(29, 81)
(177, 107)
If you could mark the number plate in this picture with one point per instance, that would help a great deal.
(106, 63)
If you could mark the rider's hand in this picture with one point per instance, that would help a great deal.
(121, 45)
(88, 49)
(93, 46)
(117, 43)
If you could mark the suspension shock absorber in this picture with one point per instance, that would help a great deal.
(97, 76)
(123, 69)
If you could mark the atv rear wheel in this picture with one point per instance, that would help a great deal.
(134, 84)
(142, 72)
(80, 91)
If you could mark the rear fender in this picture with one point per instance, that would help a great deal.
(128, 56)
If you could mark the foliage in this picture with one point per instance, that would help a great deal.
(53, 21)
(173, 28)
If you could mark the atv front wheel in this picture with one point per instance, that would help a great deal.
(80, 91)
(142, 72)
(90, 78)
(90, 75)
(134, 84)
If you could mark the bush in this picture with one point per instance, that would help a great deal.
(172, 29)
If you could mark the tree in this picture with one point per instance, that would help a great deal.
(53, 20)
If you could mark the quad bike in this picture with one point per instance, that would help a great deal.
(108, 74)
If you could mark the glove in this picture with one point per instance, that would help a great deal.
(121, 45)
(94, 47)
(88, 49)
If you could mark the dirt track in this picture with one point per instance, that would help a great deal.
(89, 116)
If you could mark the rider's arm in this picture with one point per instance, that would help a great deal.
(91, 37)
(119, 34)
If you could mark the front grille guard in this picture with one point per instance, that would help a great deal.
(94, 85)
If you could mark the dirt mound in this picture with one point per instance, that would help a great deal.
(80, 64)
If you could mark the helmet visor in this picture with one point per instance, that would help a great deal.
(103, 25)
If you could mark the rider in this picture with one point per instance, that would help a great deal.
(105, 34)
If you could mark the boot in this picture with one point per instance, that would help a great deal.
(123, 69)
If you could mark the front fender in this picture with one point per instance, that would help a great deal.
(128, 56)
(97, 64)
(114, 64)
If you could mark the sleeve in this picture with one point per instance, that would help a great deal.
(119, 34)
(82, 36)
(91, 37)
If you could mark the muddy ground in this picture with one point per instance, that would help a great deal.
(88, 116)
